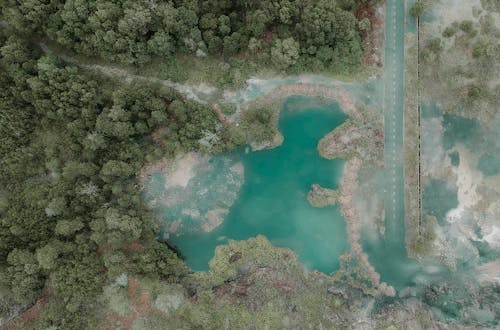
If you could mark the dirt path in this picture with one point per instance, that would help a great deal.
(200, 93)
(221, 117)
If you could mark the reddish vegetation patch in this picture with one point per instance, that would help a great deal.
(150, 168)
(371, 39)
(103, 247)
(27, 318)
(221, 117)
(135, 246)
(236, 291)
(160, 134)
(269, 35)
(140, 298)
(142, 307)
(284, 285)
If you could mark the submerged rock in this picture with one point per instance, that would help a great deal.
(321, 197)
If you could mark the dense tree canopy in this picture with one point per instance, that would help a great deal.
(71, 147)
(133, 31)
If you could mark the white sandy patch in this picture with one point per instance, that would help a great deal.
(214, 219)
(442, 250)
(182, 171)
(475, 208)
(493, 238)
(455, 215)
(192, 213)
(494, 183)
(489, 272)
(238, 168)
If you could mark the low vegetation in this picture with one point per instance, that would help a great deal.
(460, 68)
(322, 197)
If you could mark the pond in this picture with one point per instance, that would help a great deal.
(272, 197)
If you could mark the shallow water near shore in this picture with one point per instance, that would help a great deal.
(273, 198)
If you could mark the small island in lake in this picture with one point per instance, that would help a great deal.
(321, 197)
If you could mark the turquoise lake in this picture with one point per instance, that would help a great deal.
(273, 197)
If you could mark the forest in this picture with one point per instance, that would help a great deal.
(287, 33)
(72, 143)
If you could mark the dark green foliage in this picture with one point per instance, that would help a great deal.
(434, 45)
(484, 49)
(258, 124)
(475, 92)
(72, 314)
(449, 31)
(467, 26)
(329, 33)
(417, 9)
(24, 274)
(431, 51)
(70, 205)
(133, 32)
(159, 260)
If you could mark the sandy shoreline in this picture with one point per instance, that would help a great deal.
(338, 94)
(348, 186)
(180, 169)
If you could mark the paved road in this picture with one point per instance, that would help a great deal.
(393, 120)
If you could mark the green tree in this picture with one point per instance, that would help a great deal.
(285, 52)
(467, 26)
(115, 169)
(417, 9)
(67, 228)
(257, 22)
(24, 274)
(449, 31)
(48, 254)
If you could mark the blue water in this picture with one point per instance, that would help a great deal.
(273, 198)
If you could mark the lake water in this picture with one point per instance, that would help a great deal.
(273, 197)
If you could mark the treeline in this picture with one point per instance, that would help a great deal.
(307, 34)
(71, 146)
